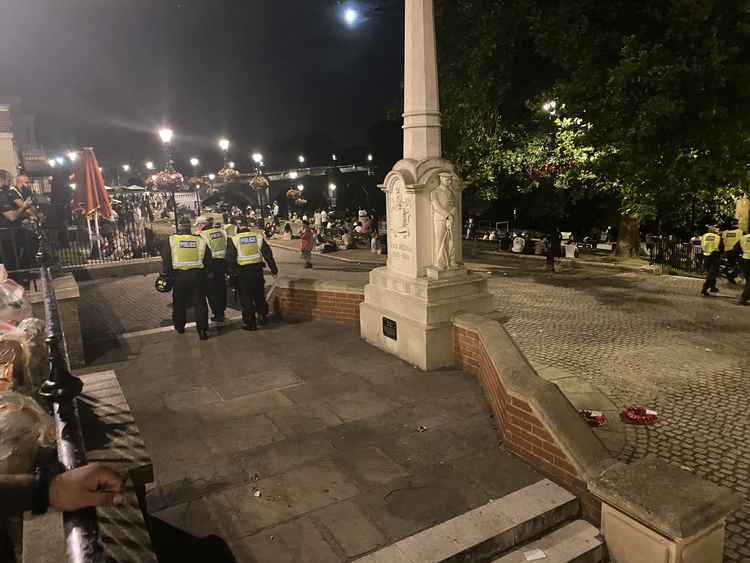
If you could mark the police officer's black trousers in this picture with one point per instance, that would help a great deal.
(745, 265)
(190, 286)
(217, 287)
(252, 292)
(711, 263)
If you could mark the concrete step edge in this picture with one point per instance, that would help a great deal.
(576, 542)
(485, 532)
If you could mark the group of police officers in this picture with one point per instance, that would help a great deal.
(734, 246)
(198, 266)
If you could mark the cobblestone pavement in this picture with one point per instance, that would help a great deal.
(650, 340)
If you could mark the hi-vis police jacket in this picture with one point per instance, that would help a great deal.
(248, 249)
(182, 253)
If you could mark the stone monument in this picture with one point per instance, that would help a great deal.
(409, 305)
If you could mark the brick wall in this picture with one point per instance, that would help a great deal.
(318, 304)
(524, 428)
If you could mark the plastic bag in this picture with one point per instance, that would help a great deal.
(11, 360)
(24, 428)
(34, 365)
(14, 307)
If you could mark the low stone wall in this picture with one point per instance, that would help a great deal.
(308, 300)
(68, 297)
(648, 511)
(534, 418)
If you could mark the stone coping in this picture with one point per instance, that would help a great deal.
(669, 500)
(65, 288)
(321, 286)
(586, 450)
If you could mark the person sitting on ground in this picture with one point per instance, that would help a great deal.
(287, 232)
(347, 240)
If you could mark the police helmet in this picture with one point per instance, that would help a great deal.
(163, 284)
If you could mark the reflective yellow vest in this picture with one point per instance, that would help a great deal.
(248, 247)
(230, 230)
(188, 252)
(731, 238)
(710, 243)
(745, 243)
(216, 239)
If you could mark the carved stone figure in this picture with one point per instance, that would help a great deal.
(401, 212)
(444, 210)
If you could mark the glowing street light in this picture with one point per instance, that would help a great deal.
(149, 165)
(293, 175)
(550, 107)
(257, 158)
(369, 157)
(301, 159)
(60, 160)
(332, 187)
(224, 144)
(231, 165)
(300, 187)
(52, 162)
(194, 162)
(334, 157)
(351, 16)
(166, 135)
(126, 167)
(73, 156)
(212, 177)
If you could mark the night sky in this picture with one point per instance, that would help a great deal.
(271, 75)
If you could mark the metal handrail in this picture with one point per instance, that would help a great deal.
(84, 544)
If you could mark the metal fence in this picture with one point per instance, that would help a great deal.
(74, 247)
(677, 256)
(83, 539)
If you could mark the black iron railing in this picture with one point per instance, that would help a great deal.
(678, 256)
(82, 536)
(73, 247)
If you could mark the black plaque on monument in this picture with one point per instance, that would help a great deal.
(390, 328)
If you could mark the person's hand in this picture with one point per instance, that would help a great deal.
(91, 485)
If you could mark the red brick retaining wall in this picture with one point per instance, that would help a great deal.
(534, 419)
(303, 301)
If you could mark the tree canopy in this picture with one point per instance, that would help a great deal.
(652, 98)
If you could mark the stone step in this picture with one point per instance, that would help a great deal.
(487, 531)
(577, 542)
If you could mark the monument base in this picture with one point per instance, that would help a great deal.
(413, 318)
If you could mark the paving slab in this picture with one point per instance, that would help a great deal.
(306, 448)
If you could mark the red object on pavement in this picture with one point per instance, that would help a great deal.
(593, 418)
(641, 416)
(90, 197)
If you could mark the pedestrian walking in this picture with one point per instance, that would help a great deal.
(745, 266)
(216, 240)
(713, 247)
(246, 252)
(186, 258)
(732, 251)
(306, 244)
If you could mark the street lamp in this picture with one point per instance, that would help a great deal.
(301, 159)
(73, 156)
(194, 162)
(52, 162)
(224, 144)
(369, 157)
(334, 157)
(166, 135)
(126, 167)
(231, 165)
(149, 165)
(212, 177)
(257, 158)
(60, 160)
(300, 187)
(293, 175)
(351, 16)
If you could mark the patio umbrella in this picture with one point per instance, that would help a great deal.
(91, 198)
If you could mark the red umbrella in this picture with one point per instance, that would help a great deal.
(90, 198)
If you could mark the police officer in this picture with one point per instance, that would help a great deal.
(713, 247)
(732, 251)
(745, 265)
(216, 240)
(246, 252)
(186, 258)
